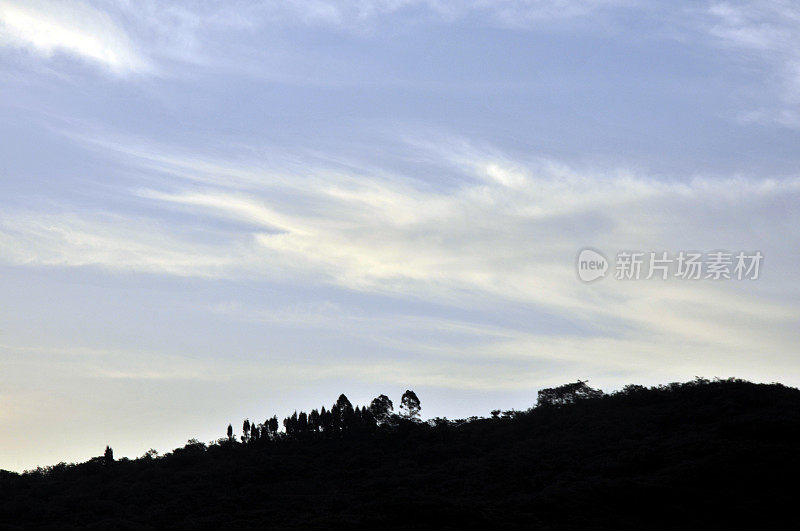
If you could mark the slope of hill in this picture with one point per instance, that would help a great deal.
(700, 454)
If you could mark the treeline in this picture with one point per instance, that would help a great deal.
(706, 454)
(379, 417)
(343, 418)
(340, 419)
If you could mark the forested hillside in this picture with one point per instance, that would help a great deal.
(704, 453)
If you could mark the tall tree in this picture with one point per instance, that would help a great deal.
(326, 421)
(313, 420)
(230, 432)
(246, 430)
(381, 408)
(343, 402)
(291, 424)
(346, 412)
(336, 419)
(409, 405)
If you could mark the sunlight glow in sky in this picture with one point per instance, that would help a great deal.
(218, 210)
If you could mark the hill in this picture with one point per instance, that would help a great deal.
(699, 454)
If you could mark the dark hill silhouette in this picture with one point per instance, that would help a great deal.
(704, 454)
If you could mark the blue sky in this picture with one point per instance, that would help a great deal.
(219, 210)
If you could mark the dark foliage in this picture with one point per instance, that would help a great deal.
(409, 405)
(710, 454)
(381, 408)
(567, 394)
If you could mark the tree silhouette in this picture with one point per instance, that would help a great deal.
(152, 453)
(348, 418)
(230, 432)
(108, 455)
(381, 408)
(409, 405)
(326, 421)
(567, 394)
(368, 419)
(343, 402)
(344, 410)
(245, 430)
(291, 424)
(336, 418)
(313, 421)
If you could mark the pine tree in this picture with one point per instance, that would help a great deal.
(313, 421)
(245, 430)
(326, 421)
(336, 419)
(346, 413)
(302, 422)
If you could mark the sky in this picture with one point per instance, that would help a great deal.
(218, 210)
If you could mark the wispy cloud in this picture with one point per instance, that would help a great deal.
(507, 232)
(71, 28)
(151, 36)
(768, 31)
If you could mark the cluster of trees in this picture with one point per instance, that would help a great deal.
(343, 418)
(254, 432)
(567, 394)
(339, 419)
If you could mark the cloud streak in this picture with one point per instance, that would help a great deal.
(507, 233)
(69, 28)
(150, 36)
